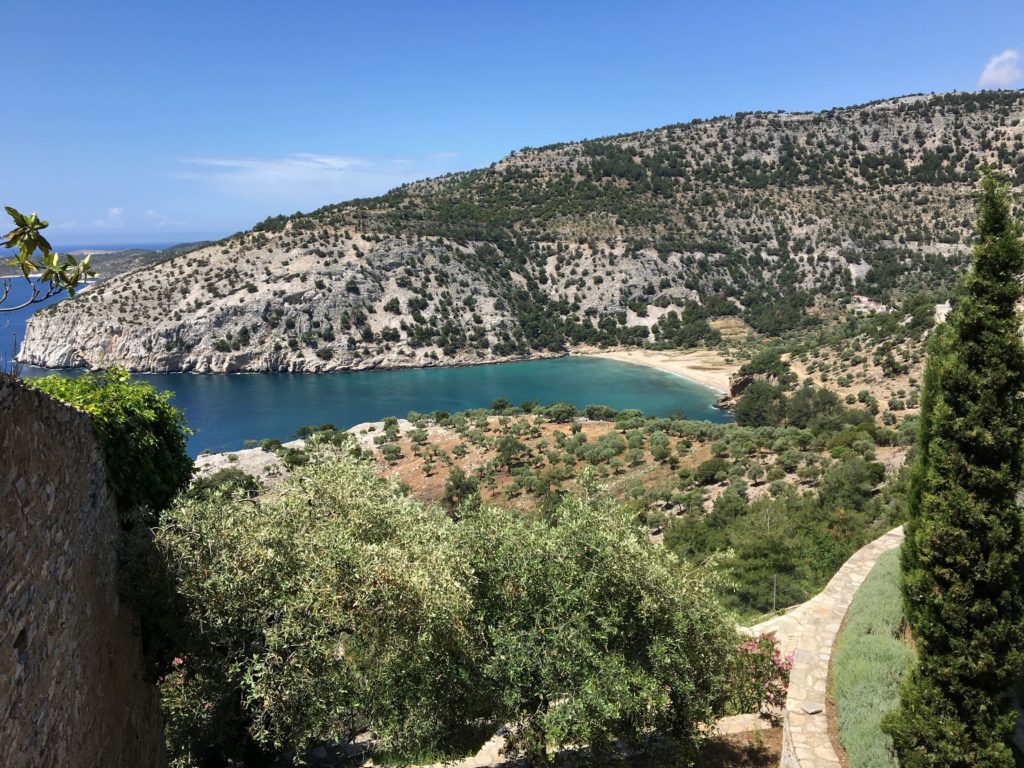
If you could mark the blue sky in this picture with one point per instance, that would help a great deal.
(162, 121)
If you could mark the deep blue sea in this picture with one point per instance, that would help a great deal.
(226, 410)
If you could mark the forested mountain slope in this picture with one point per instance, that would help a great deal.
(632, 239)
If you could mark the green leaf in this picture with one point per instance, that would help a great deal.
(18, 217)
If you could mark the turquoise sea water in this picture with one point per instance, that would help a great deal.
(226, 410)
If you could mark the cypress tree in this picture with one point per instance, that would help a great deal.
(963, 558)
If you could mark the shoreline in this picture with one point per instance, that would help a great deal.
(307, 372)
(703, 367)
(700, 366)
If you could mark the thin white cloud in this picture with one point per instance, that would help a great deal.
(119, 219)
(299, 164)
(158, 220)
(113, 220)
(1002, 71)
(307, 180)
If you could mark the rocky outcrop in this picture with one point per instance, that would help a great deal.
(740, 380)
(270, 304)
(738, 383)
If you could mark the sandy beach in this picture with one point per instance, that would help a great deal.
(700, 365)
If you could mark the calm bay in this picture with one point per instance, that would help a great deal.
(224, 410)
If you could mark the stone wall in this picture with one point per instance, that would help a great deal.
(71, 687)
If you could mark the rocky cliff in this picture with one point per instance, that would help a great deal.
(267, 303)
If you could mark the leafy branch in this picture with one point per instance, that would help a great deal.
(60, 272)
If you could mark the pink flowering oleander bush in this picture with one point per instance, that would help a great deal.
(759, 676)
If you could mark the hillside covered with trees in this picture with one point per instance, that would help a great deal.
(647, 238)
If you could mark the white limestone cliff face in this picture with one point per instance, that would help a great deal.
(300, 301)
(271, 304)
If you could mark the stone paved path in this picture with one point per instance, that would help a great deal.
(808, 631)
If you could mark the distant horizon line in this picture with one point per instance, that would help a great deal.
(127, 243)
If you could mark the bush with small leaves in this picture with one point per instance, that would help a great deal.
(143, 436)
(344, 605)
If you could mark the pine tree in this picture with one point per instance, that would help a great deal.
(963, 558)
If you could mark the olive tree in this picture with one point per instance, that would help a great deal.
(332, 603)
(591, 632)
(335, 603)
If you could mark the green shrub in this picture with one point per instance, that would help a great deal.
(660, 445)
(391, 452)
(759, 676)
(603, 449)
(870, 659)
(230, 479)
(599, 413)
(769, 363)
(292, 457)
(591, 632)
(760, 405)
(336, 603)
(336, 597)
(142, 435)
(709, 470)
(460, 488)
(559, 412)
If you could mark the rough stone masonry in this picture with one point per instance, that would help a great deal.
(71, 687)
